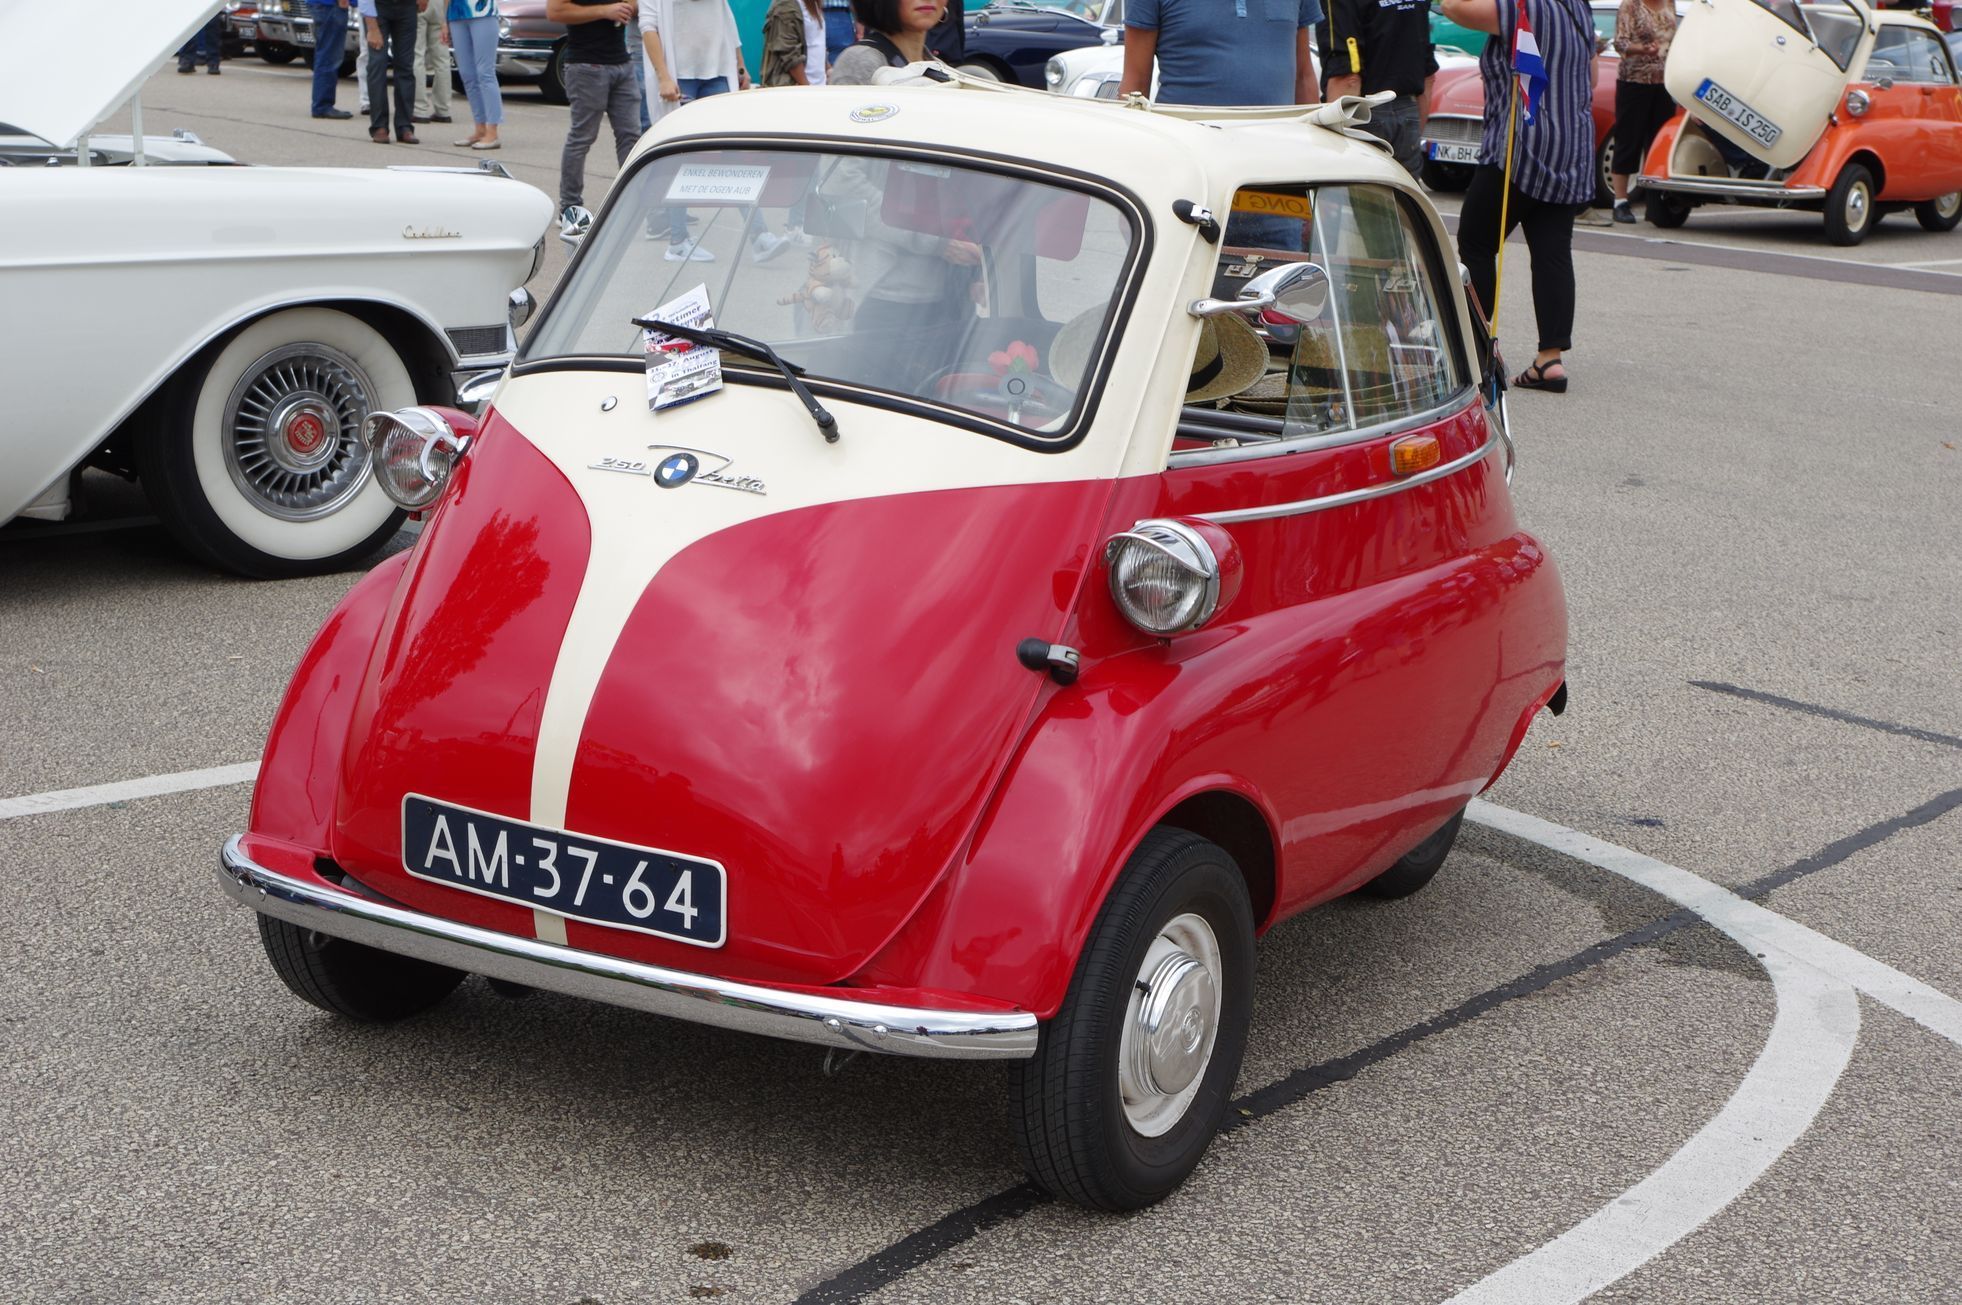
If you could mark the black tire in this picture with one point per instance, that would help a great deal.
(1604, 188)
(1446, 178)
(1665, 210)
(355, 982)
(1419, 865)
(275, 53)
(1940, 214)
(269, 496)
(1850, 211)
(1072, 1125)
(551, 86)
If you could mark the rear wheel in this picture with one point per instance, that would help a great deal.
(1131, 1077)
(258, 465)
(274, 52)
(1940, 214)
(1665, 211)
(985, 71)
(1849, 206)
(551, 85)
(355, 982)
(1419, 865)
(1604, 177)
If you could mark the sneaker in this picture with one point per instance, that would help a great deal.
(574, 222)
(768, 244)
(1624, 214)
(689, 251)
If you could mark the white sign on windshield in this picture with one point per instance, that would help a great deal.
(718, 183)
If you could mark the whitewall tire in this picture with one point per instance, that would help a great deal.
(257, 464)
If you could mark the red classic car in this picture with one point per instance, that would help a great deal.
(1064, 574)
(1834, 107)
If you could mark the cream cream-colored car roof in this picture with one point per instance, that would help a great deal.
(1159, 153)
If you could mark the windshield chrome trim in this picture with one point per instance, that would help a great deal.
(1348, 497)
(1129, 282)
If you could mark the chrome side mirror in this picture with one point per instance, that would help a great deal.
(1295, 291)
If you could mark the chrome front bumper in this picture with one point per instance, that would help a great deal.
(749, 1008)
(1756, 192)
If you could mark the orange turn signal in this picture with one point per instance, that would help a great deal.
(1414, 453)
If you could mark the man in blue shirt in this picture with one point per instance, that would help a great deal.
(1221, 52)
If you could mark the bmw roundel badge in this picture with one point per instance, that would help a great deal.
(676, 470)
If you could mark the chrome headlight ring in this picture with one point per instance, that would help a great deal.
(414, 451)
(1164, 577)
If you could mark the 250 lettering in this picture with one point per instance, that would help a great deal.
(493, 870)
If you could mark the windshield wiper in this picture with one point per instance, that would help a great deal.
(716, 338)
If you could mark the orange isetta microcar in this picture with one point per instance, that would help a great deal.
(1831, 107)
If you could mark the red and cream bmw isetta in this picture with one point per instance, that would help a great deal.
(1050, 542)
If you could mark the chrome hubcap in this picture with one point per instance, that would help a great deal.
(292, 431)
(1948, 204)
(1170, 1025)
(1856, 208)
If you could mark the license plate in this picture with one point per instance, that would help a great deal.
(248, 31)
(1742, 115)
(595, 880)
(1444, 151)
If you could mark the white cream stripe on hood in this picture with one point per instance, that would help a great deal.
(638, 527)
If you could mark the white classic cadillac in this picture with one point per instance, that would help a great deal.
(220, 332)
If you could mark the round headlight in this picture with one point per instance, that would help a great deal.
(413, 450)
(1164, 577)
(1857, 103)
(503, 29)
(1052, 73)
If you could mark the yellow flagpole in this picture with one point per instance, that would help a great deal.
(1505, 198)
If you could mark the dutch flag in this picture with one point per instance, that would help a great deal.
(1526, 62)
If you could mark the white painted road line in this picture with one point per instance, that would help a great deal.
(184, 781)
(1812, 1038)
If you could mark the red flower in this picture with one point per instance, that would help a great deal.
(1019, 356)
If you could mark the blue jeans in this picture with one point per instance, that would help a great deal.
(207, 42)
(838, 31)
(329, 48)
(475, 43)
(692, 88)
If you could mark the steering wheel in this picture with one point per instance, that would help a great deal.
(1024, 398)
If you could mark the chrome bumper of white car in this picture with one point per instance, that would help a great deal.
(748, 1008)
(1756, 192)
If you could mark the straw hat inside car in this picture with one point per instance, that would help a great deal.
(1229, 359)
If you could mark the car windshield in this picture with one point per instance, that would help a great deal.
(968, 288)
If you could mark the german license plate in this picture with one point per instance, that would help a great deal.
(248, 31)
(1737, 112)
(1444, 151)
(596, 880)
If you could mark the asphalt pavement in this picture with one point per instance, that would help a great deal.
(1541, 1073)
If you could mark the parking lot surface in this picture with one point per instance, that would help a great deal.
(1677, 1023)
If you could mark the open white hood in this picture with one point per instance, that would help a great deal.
(65, 67)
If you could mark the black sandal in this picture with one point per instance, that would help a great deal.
(1535, 378)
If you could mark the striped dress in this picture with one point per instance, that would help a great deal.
(1555, 159)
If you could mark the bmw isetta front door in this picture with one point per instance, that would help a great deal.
(1766, 74)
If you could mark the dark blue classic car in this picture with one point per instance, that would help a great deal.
(1012, 42)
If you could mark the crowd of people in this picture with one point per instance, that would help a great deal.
(627, 62)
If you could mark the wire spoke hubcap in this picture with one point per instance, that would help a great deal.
(1170, 1024)
(292, 431)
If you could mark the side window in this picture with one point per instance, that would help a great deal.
(1927, 61)
(1889, 57)
(1384, 348)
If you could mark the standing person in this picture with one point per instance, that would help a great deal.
(598, 84)
(391, 47)
(208, 42)
(431, 60)
(840, 30)
(895, 34)
(329, 48)
(1384, 45)
(1643, 31)
(1553, 175)
(693, 51)
(1209, 52)
(793, 44)
(473, 35)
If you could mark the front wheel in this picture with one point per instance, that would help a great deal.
(275, 53)
(355, 982)
(1604, 173)
(1849, 206)
(1445, 178)
(1132, 1076)
(258, 465)
(1940, 214)
(1665, 211)
(551, 85)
